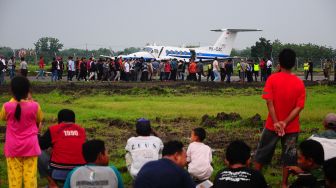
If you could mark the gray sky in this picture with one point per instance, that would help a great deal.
(124, 23)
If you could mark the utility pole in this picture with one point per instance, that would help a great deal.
(86, 52)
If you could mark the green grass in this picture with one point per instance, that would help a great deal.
(90, 107)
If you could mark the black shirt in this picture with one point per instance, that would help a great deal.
(163, 173)
(239, 178)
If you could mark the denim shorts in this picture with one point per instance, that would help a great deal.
(267, 144)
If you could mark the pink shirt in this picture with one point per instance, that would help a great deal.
(200, 157)
(21, 136)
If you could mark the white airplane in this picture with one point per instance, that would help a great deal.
(220, 50)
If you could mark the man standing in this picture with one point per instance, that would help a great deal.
(243, 70)
(41, 66)
(54, 73)
(269, 65)
(215, 69)
(229, 70)
(305, 69)
(256, 69)
(11, 67)
(71, 68)
(310, 70)
(173, 65)
(285, 97)
(23, 67)
(199, 68)
(127, 70)
(60, 67)
(192, 70)
(2, 70)
(263, 69)
(168, 171)
(222, 70)
(327, 69)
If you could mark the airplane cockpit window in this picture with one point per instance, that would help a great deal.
(147, 49)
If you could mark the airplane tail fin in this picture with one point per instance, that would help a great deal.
(225, 42)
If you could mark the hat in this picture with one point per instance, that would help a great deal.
(330, 120)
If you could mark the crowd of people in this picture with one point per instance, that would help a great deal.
(64, 156)
(139, 69)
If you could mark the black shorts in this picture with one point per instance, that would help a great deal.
(267, 144)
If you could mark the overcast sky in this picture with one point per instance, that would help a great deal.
(124, 23)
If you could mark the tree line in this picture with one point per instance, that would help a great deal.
(50, 47)
(266, 49)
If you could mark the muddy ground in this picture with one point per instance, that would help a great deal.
(222, 129)
(154, 87)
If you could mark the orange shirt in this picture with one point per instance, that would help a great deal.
(192, 67)
(287, 92)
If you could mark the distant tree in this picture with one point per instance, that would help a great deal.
(131, 50)
(262, 48)
(241, 53)
(304, 50)
(48, 46)
(6, 51)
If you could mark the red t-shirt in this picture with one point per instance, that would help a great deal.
(67, 141)
(167, 67)
(287, 92)
(192, 67)
(41, 64)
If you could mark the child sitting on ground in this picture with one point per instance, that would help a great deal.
(143, 148)
(310, 159)
(329, 167)
(96, 173)
(238, 173)
(199, 156)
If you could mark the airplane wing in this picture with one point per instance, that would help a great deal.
(235, 30)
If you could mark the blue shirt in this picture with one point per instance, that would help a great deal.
(163, 173)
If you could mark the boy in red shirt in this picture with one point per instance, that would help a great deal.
(285, 96)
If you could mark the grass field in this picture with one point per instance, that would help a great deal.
(111, 116)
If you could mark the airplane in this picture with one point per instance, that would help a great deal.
(220, 50)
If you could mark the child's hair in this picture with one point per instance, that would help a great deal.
(66, 115)
(313, 150)
(200, 133)
(91, 149)
(172, 147)
(287, 58)
(22, 58)
(143, 127)
(238, 152)
(329, 167)
(20, 87)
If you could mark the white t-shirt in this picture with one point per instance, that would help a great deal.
(269, 64)
(329, 146)
(215, 65)
(127, 67)
(71, 65)
(23, 65)
(199, 157)
(143, 149)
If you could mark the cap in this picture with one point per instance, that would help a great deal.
(143, 127)
(330, 120)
